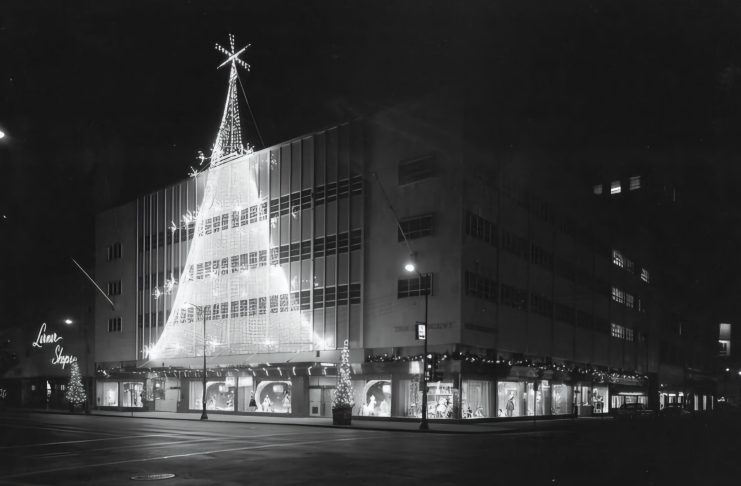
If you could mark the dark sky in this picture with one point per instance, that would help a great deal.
(104, 100)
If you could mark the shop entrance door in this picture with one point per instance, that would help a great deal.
(320, 401)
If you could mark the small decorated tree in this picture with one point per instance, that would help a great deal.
(75, 390)
(343, 398)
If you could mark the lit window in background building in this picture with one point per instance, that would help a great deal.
(634, 183)
(618, 259)
(645, 276)
(724, 341)
(598, 189)
(615, 187)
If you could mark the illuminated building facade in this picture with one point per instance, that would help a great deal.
(291, 250)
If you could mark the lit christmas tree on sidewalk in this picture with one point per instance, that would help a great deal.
(75, 390)
(343, 399)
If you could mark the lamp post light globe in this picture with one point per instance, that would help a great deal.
(68, 321)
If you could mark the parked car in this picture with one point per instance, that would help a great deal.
(633, 411)
(674, 410)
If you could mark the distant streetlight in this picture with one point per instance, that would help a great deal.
(202, 311)
(68, 321)
(2, 134)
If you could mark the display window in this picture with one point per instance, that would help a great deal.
(618, 400)
(106, 394)
(441, 400)
(476, 399)
(246, 394)
(600, 399)
(273, 397)
(132, 394)
(410, 400)
(562, 399)
(372, 398)
(219, 396)
(511, 399)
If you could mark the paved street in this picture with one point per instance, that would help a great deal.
(41, 448)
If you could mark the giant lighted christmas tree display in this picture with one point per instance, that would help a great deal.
(233, 271)
(75, 390)
(343, 399)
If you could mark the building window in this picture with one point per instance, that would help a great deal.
(417, 169)
(411, 287)
(481, 228)
(645, 276)
(618, 259)
(724, 348)
(629, 265)
(481, 287)
(634, 183)
(617, 331)
(114, 251)
(114, 324)
(629, 300)
(617, 295)
(114, 288)
(416, 227)
(597, 189)
(615, 187)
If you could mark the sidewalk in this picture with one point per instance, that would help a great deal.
(439, 427)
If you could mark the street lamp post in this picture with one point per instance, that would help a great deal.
(423, 424)
(410, 267)
(201, 310)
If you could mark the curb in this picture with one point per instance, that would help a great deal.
(328, 426)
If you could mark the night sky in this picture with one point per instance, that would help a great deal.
(105, 100)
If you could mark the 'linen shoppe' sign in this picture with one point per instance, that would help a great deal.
(43, 339)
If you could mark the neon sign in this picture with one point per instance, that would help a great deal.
(59, 358)
(44, 338)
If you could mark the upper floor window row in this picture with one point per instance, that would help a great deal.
(114, 288)
(113, 251)
(416, 227)
(418, 169)
(114, 324)
(412, 287)
(620, 260)
(616, 186)
(481, 228)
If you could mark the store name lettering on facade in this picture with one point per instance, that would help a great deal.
(59, 358)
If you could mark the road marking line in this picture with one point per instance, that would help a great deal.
(190, 454)
(65, 442)
(230, 438)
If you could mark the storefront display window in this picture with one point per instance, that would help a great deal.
(245, 394)
(410, 399)
(476, 401)
(132, 394)
(219, 395)
(273, 397)
(618, 400)
(510, 399)
(600, 399)
(561, 401)
(107, 394)
(372, 398)
(441, 400)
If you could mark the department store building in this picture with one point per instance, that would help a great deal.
(269, 261)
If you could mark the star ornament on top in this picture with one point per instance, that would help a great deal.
(232, 55)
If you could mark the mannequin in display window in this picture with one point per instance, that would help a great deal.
(510, 407)
(370, 408)
(267, 405)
